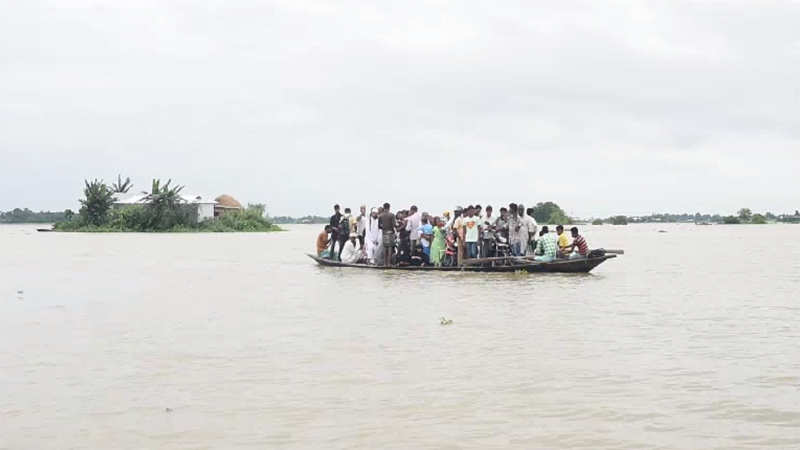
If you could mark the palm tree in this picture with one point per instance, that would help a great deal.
(165, 195)
(163, 201)
(121, 187)
(99, 198)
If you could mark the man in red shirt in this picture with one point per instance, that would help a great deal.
(579, 243)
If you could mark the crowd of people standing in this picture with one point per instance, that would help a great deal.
(411, 237)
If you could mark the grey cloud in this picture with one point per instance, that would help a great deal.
(601, 107)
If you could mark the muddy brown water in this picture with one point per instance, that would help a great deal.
(177, 341)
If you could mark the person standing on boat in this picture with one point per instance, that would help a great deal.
(379, 247)
(451, 221)
(515, 230)
(546, 246)
(501, 225)
(458, 232)
(372, 236)
(426, 236)
(387, 224)
(361, 225)
(413, 222)
(344, 230)
(532, 226)
(471, 232)
(438, 245)
(403, 238)
(322, 241)
(524, 236)
(453, 226)
(350, 253)
(487, 235)
(336, 218)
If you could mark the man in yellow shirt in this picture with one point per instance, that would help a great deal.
(563, 240)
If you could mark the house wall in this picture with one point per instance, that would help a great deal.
(205, 211)
(222, 210)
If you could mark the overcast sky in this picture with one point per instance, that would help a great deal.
(603, 107)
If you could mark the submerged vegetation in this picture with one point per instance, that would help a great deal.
(162, 209)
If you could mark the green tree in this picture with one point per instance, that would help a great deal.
(731, 220)
(550, 213)
(250, 219)
(163, 207)
(597, 222)
(618, 220)
(758, 219)
(98, 200)
(18, 215)
(121, 187)
(745, 214)
(258, 208)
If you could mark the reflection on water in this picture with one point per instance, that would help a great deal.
(686, 341)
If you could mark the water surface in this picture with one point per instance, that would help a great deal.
(687, 341)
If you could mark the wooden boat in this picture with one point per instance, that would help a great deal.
(582, 265)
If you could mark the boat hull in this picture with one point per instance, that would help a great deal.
(583, 265)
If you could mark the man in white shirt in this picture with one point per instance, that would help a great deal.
(516, 230)
(487, 234)
(532, 227)
(451, 221)
(350, 253)
(455, 226)
(471, 224)
(372, 236)
(361, 225)
(413, 222)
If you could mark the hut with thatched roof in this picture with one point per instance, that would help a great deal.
(226, 203)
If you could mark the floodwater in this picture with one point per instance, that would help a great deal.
(177, 341)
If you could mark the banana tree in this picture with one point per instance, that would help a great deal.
(163, 201)
(121, 187)
(97, 202)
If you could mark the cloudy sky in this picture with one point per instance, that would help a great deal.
(603, 107)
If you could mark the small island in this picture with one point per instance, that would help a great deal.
(164, 208)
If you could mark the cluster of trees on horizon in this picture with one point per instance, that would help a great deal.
(743, 216)
(544, 212)
(281, 220)
(19, 215)
(162, 209)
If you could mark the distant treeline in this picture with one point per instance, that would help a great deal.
(744, 216)
(280, 220)
(544, 212)
(18, 215)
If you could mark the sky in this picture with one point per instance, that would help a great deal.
(603, 107)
